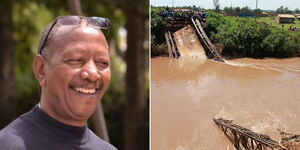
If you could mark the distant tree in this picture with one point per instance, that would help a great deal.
(280, 10)
(283, 10)
(257, 11)
(217, 5)
(246, 10)
(228, 9)
(237, 9)
(297, 11)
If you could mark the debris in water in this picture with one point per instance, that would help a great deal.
(245, 139)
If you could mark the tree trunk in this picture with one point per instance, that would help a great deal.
(100, 123)
(135, 79)
(75, 7)
(7, 80)
(97, 118)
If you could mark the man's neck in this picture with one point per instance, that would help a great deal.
(75, 123)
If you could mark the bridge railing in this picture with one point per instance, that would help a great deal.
(245, 139)
(206, 40)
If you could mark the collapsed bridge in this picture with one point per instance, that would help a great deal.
(187, 38)
(245, 139)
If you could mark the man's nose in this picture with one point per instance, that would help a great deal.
(91, 72)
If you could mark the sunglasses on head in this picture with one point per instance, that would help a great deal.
(95, 22)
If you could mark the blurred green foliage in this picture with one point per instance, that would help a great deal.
(29, 19)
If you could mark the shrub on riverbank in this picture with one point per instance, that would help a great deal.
(213, 21)
(158, 45)
(157, 36)
(243, 37)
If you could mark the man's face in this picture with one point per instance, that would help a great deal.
(77, 74)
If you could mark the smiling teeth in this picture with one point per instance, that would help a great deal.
(86, 91)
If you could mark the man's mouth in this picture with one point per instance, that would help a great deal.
(86, 90)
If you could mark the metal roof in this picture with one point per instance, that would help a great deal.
(285, 16)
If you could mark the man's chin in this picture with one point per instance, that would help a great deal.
(83, 105)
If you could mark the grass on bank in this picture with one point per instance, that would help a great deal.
(271, 21)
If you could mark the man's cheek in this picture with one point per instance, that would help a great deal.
(106, 75)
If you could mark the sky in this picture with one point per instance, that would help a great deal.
(208, 4)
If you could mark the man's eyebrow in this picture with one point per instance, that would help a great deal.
(72, 53)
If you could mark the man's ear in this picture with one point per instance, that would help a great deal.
(39, 69)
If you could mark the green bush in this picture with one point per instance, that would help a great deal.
(245, 38)
(277, 44)
(157, 36)
(213, 21)
(295, 47)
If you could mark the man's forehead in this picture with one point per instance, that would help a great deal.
(65, 38)
(65, 31)
(64, 35)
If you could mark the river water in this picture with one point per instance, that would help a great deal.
(186, 94)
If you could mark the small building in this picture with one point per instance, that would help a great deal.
(297, 16)
(284, 18)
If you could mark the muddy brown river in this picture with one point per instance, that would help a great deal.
(186, 94)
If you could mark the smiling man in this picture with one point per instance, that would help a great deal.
(73, 69)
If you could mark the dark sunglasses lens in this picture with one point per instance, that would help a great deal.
(102, 23)
(70, 20)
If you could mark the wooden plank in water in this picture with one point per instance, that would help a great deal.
(169, 45)
(173, 47)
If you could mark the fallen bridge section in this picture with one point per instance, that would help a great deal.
(188, 44)
(172, 49)
(245, 139)
(190, 40)
(207, 43)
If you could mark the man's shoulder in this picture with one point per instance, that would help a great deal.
(11, 137)
(98, 142)
(11, 141)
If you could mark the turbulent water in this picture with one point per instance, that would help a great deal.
(186, 94)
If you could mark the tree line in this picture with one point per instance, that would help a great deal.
(248, 10)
